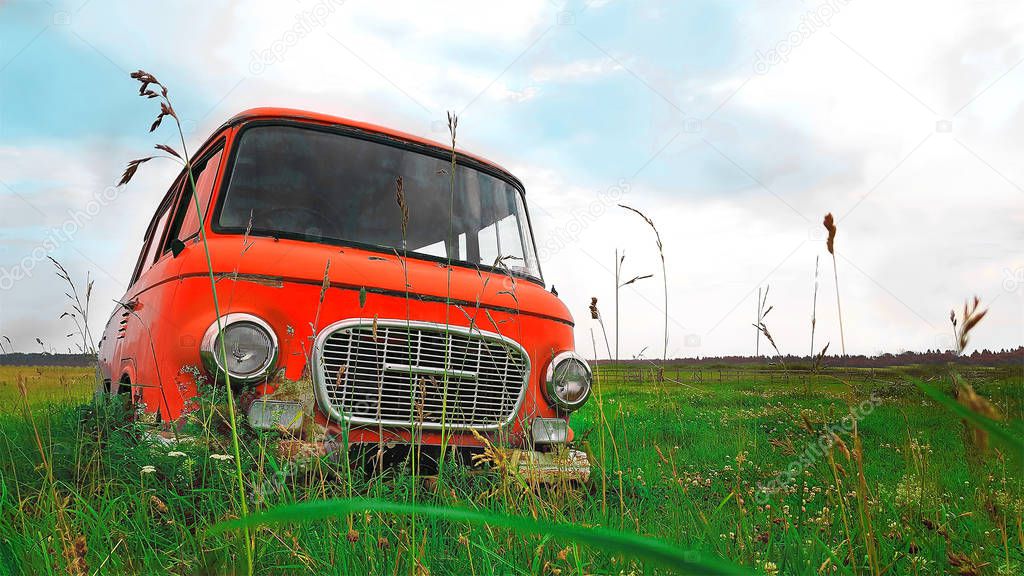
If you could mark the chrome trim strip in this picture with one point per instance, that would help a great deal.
(406, 368)
(320, 376)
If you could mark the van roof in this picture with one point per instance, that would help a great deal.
(317, 117)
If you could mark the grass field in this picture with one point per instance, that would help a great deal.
(684, 462)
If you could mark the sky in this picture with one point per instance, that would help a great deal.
(736, 125)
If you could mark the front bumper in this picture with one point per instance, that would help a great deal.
(531, 466)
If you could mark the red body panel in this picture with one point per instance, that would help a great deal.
(280, 281)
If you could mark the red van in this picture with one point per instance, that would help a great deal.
(398, 328)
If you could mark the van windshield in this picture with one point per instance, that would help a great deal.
(321, 186)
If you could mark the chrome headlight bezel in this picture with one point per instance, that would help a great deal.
(550, 384)
(211, 356)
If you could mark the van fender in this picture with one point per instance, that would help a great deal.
(127, 372)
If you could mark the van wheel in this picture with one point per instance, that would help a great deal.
(112, 409)
(123, 392)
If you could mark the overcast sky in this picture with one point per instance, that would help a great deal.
(735, 124)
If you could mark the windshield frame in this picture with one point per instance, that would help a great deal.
(388, 140)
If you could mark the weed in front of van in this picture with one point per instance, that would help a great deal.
(146, 80)
(453, 124)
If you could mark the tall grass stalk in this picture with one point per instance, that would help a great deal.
(80, 306)
(619, 285)
(453, 124)
(757, 342)
(762, 311)
(975, 410)
(166, 109)
(403, 208)
(830, 225)
(595, 314)
(618, 273)
(814, 305)
(664, 272)
(763, 328)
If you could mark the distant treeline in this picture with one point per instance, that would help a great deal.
(45, 359)
(977, 358)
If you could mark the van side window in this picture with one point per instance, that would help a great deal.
(153, 237)
(186, 219)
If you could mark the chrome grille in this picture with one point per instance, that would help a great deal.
(394, 374)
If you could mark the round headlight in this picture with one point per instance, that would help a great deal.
(568, 381)
(249, 343)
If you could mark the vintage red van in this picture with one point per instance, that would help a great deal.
(398, 328)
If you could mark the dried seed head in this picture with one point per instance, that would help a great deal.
(453, 125)
(165, 110)
(807, 423)
(830, 225)
(402, 205)
(657, 235)
(594, 313)
(968, 398)
(838, 442)
(158, 504)
(131, 169)
(145, 79)
(169, 150)
(636, 279)
(971, 317)
(326, 283)
(75, 555)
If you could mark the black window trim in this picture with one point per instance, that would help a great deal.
(385, 139)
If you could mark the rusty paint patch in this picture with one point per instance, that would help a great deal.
(261, 279)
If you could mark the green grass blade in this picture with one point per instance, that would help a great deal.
(989, 425)
(646, 549)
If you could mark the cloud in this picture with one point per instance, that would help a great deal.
(58, 203)
(575, 71)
